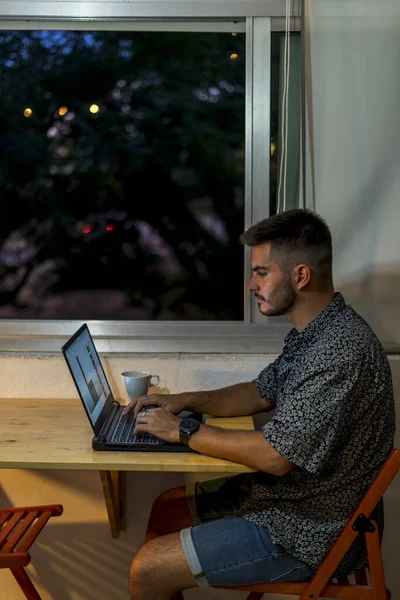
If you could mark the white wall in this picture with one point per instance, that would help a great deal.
(354, 147)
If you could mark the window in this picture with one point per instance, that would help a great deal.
(122, 175)
(96, 222)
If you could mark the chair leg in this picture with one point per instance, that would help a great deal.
(379, 591)
(25, 584)
(361, 577)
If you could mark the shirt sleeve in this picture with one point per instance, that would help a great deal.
(267, 382)
(315, 417)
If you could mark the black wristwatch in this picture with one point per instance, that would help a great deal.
(187, 427)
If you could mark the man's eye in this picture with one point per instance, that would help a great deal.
(262, 273)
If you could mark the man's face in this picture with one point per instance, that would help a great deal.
(272, 287)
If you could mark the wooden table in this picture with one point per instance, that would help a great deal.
(55, 434)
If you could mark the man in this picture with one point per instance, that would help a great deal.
(332, 430)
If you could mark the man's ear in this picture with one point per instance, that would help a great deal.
(301, 276)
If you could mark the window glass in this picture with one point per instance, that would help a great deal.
(121, 175)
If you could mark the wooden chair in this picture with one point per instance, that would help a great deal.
(321, 584)
(19, 527)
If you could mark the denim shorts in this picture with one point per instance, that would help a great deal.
(222, 549)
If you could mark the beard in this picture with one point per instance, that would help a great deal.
(282, 300)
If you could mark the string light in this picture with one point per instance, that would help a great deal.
(94, 109)
(234, 56)
(28, 112)
(234, 33)
(62, 111)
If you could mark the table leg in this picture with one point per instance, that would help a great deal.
(113, 483)
(122, 499)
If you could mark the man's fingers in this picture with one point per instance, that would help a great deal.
(139, 406)
(144, 402)
(132, 405)
(129, 407)
(141, 426)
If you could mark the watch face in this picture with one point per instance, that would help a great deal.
(189, 425)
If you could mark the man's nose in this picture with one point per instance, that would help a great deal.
(253, 285)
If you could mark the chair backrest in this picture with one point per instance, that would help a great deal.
(19, 527)
(375, 492)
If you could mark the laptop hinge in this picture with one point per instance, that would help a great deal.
(102, 436)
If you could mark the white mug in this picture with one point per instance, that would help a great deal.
(137, 383)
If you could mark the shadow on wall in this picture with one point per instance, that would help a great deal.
(5, 502)
(86, 483)
(375, 296)
(81, 561)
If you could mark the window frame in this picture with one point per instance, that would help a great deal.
(41, 337)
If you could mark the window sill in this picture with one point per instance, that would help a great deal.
(120, 337)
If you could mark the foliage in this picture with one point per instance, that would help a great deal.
(155, 178)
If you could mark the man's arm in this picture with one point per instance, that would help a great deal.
(248, 448)
(233, 401)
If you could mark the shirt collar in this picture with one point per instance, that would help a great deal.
(295, 340)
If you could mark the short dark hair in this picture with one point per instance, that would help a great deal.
(295, 236)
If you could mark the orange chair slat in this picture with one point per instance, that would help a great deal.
(344, 592)
(380, 484)
(3, 517)
(9, 526)
(19, 531)
(56, 509)
(34, 531)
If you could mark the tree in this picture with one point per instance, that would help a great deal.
(152, 183)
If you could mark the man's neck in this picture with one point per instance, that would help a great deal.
(307, 308)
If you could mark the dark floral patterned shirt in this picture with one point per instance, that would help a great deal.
(335, 420)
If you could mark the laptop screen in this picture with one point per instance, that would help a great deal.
(87, 372)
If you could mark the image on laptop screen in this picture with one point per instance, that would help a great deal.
(88, 374)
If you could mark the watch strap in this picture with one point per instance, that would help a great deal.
(184, 436)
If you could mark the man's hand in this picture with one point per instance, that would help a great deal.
(173, 403)
(159, 422)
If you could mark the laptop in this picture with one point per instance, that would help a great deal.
(112, 429)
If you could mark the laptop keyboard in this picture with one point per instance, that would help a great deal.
(124, 432)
